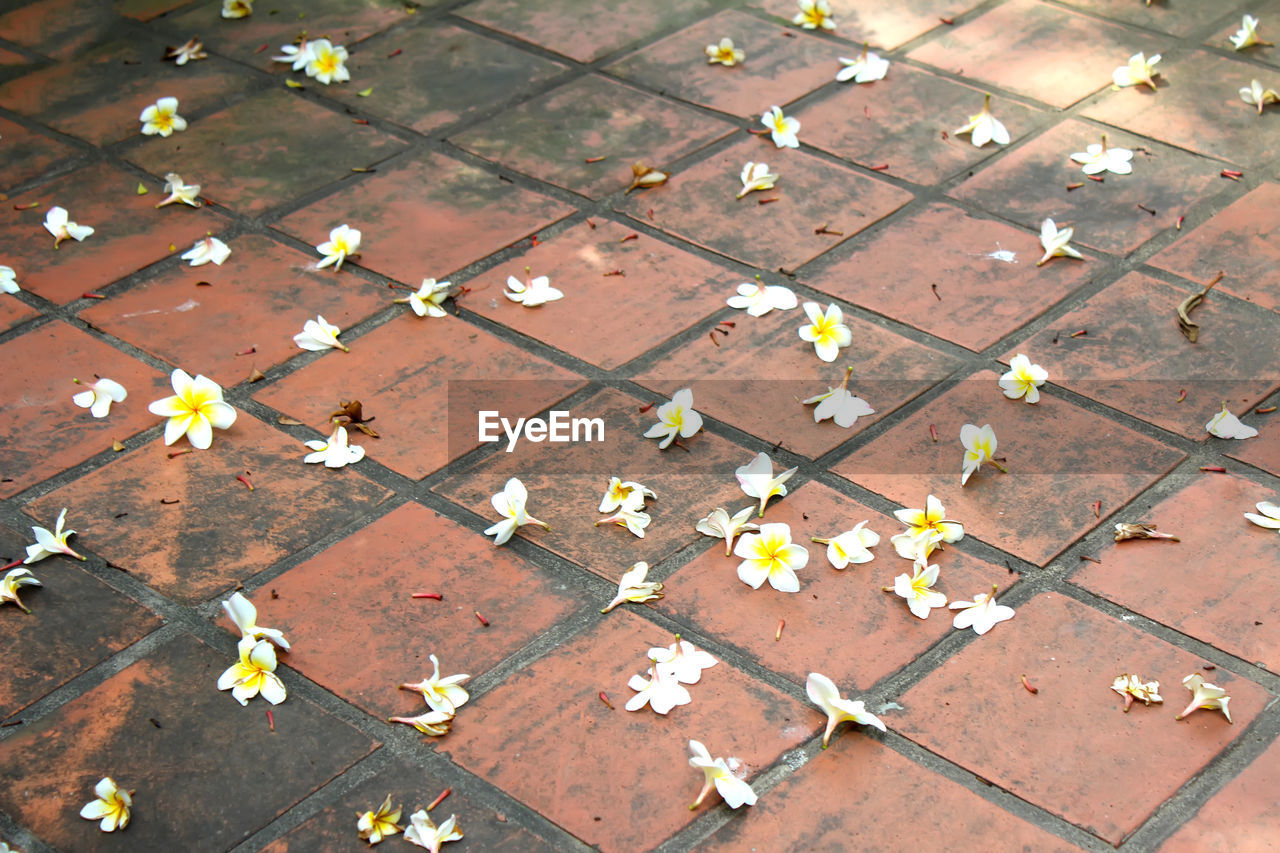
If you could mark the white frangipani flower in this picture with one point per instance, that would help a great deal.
(510, 503)
(192, 50)
(660, 691)
(1099, 157)
(675, 418)
(343, 242)
(721, 526)
(430, 723)
(865, 68)
(1023, 379)
(1255, 95)
(824, 693)
(194, 410)
(850, 546)
(8, 280)
(162, 118)
(336, 452)
(619, 493)
(716, 774)
(98, 396)
(425, 301)
(984, 127)
(756, 176)
(782, 128)
(207, 250)
(1056, 243)
(1132, 687)
(14, 580)
(254, 673)
(62, 228)
(759, 299)
(326, 62)
(424, 833)
(537, 292)
(1270, 517)
(840, 404)
(1226, 425)
(296, 55)
(813, 15)
(48, 544)
(245, 616)
(917, 589)
(630, 515)
(757, 480)
(826, 330)
(770, 555)
(237, 8)
(373, 826)
(725, 53)
(683, 660)
(633, 587)
(1247, 36)
(1211, 697)
(442, 694)
(979, 447)
(982, 614)
(179, 192)
(319, 335)
(926, 529)
(111, 806)
(1139, 70)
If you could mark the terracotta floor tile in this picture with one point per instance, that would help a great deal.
(1135, 359)
(28, 154)
(228, 155)
(565, 483)
(258, 300)
(707, 594)
(1038, 50)
(370, 576)
(427, 217)
(334, 828)
(1022, 742)
(900, 120)
(1029, 186)
(219, 532)
(1266, 11)
(11, 62)
(881, 23)
(603, 319)
(58, 28)
(981, 267)
(1238, 240)
(14, 311)
(410, 372)
(181, 744)
(1264, 450)
(1179, 17)
(129, 232)
(781, 65)
(764, 360)
(98, 95)
(551, 137)
(44, 432)
(146, 10)
(1168, 584)
(555, 767)
(460, 75)
(698, 204)
(817, 809)
(558, 24)
(1061, 459)
(1240, 817)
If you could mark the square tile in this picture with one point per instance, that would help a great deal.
(1135, 359)
(1061, 459)
(1241, 816)
(606, 319)
(1022, 742)
(1041, 51)
(425, 380)
(1178, 17)
(45, 433)
(1268, 13)
(427, 217)
(183, 745)
(555, 767)
(881, 23)
(980, 266)
(698, 204)
(257, 300)
(129, 233)
(763, 360)
(227, 153)
(28, 154)
(552, 136)
(1029, 186)
(187, 527)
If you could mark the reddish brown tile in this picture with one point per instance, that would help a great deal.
(410, 372)
(257, 300)
(974, 711)
(129, 232)
(181, 744)
(1179, 17)
(187, 527)
(780, 65)
(555, 767)
(1038, 50)
(1029, 186)
(372, 574)
(698, 204)
(883, 23)
(57, 28)
(764, 359)
(1263, 451)
(28, 154)
(1135, 359)
(1268, 13)
(1061, 459)
(146, 10)
(606, 319)
(1238, 241)
(14, 311)
(1241, 816)
(226, 152)
(45, 432)
(552, 136)
(427, 217)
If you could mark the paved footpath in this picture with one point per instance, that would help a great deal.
(483, 139)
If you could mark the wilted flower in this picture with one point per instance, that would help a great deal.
(675, 418)
(343, 242)
(327, 62)
(716, 773)
(442, 694)
(840, 404)
(1127, 530)
(850, 546)
(425, 301)
(1023, 379)
(979, 447)
(430, 723)
(1248, 34)
(207, 250)
(185, 53)
(661, 691)
(826, 331)
(1226, 425)
(509, 503)
(162, 118)
(180, 192)
(759, 299)
(1208, 696)
(98, 396)
(194, 410)
(254, 673)
(824, 693)
(424, 833)
(48, 544)
(537, 292)
(12, 582)
(111, 806)
(632, 587)
(757, 480)
(982, 614)
(334, 453)
(1139, 70)
(1098, 157)
(720, 525)
(917, 589)
(782, 128)
(984, 127)
(770, 555)
(756, 176)
(865, 68)
(725, 53)
(245, 616)
(682, 660)
(1270, 517)
(813, 15)
(1056, 243)
(374, 826)
(237, 8)
(630, 515)
(1255, 95)
(1132, 687)
(618, 493)
(57, 224)
(643, 176)
(926, 529)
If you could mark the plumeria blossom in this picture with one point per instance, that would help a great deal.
(865, 68)
(917, 589)
(207, 250)
(509, 503)
(430, 723)
(824, 693)
(1023, 379)
(1270, 515)
(759, 299)
(926, 529)
(254, 673)
(162, 118)
(180, 192)
(237, 8)
(48, 544)
(617, 493)
(374, 826)
(62, 228)
(318, 335)
(327, 62)
(184, 53)
(1248, 34)
(334, 453)
(675, 418)
(1099, 157)
(661, 691)
(296, 55)
(682, 660)
(770, 555)
(8, 280)
(111, 806)
(981, 614)
(442, 694)
(826, 330)
(720, 525)
(12, 582)
(757, 480)
(1139, 70)
(1132, 687)
(424, 833)
(725, 53)
(245, 616)
(716, 774)
(840, 404)
(813, 15)
(756, 176)
(426, 300)
(632, 587)
(630, 515)
(1057, 244)
(850, 546)
(194, 410)
(1255, 95)
(98, 396)
(644, 177)
(782, 128)
(343, 242)
(984, 127)
(536, 292)
(979, 447)
(1226, 425)
(1208, 696)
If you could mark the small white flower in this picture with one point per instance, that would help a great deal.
(14, 580)
(840, 404)
(537, 292)
(716, 773)
(99, 396)
(245, 616)
(1255, 95)
(318, 335)
(1248, 34)
(984, 127)
(782, 128)
(1100, 158)
(335, 452)
(1226, 425)
(979, 447)
(296, 55)
(661, 691)
(189, 52)
(850, 546)
(327, 62)
(721, 526)
(757, 480)
(1056, 243)
(343, 242)
(864, 69)
(725, 53)
(424, 833)
(683, 660)
(982, 614)
(759, 299)
(770, 555)
(179, 192)
(111, 806)
(675, 418)
(826, 331)
(823, 692)
(619, 493)
(1023, 379)
(633, 587)
(237, 8)
(756, 176)
(1270, 517)
(57, 224)
(814, 14)
(630, 515)
(254, 673)
(8, 280)
(1211, 697)
(510, 504)
(1138, 71)
(48, 544)
(162, 118)
(207, 250)
(194, 410)
(917, 589)
(442, 694)
(425, 301)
